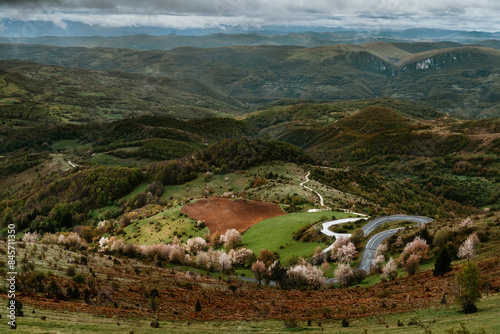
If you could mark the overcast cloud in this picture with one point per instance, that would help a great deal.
(183, 14)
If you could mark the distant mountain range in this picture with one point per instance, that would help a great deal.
(149, 38)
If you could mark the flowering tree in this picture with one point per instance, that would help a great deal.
(344, 274)
(381, 249)
(467, 249)
(339, 242)
(202, 259)
(417, 247)
(241, 256)
(30, 238)
(389, 270)
(231, 238)
(259, 269)
(346, 253)
(413, 253)
(194, 245)
(466, 223)
(177, 254)
(377, 263)
(307, 274)
(72, 240)
(103, 244)
(225, 261)
(343, 250)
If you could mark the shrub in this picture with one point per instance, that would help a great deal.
(319, 256)
(197, 306)
(443, 262)
(267, 257)
(71, 271)
(359, 275)
(293, 260)
(79, 278)
(290, 323)
(155, 323)
(440, 238)
(412, 264)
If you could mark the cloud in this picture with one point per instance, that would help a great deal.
(179, 14)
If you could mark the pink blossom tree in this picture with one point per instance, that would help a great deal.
(343, 250)
(259, 270)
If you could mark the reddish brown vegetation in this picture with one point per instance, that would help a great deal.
(221, 214)
(177, 300)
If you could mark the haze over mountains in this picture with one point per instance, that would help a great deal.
(167, 39)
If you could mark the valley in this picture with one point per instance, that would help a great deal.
(251, 187)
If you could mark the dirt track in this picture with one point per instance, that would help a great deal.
(221, 214)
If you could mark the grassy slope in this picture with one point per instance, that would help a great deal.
(276, 234)
(162, 227)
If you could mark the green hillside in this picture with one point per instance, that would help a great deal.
(30, 91)
(457, 79)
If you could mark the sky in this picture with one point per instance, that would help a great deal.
(481, 15)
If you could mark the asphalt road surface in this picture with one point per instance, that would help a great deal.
(369, 254)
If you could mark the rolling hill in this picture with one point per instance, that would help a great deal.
(49, 93)
(460, 80)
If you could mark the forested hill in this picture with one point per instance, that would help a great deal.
(40, 93)
(455, 79)
(57, 201)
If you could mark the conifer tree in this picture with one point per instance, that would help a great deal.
(443, 263)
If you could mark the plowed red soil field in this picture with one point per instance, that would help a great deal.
(221, 214)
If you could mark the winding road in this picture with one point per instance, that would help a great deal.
(368, 256)
(321, 202)
(369, 253)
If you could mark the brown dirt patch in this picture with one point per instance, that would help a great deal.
(221, 214)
